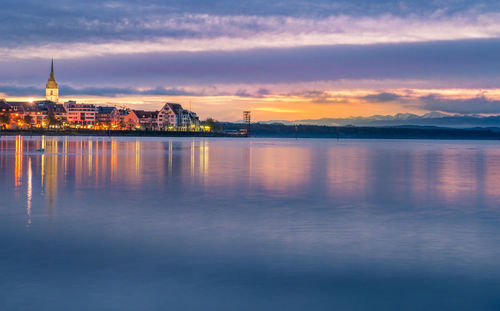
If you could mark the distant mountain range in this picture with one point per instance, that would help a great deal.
(403, 119)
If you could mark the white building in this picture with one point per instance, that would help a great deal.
(174, 115)
(190, 119)
(169, 115)
(83, 114)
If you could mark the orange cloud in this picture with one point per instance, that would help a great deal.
(301, 105)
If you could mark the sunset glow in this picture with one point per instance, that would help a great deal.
(305, 105)
(282, 62)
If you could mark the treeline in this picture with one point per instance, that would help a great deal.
(404, 132)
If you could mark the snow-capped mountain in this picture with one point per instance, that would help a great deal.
(401, 119)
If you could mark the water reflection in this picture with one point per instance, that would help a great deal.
(282, 169)
(50, 162)
(137, 158)
(271, 217)
(19, 162)
(336, 170)
(491, 169)
(170, 157)
(204, 159)
(29, 191)
(347, 170)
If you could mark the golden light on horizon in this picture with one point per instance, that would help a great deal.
(282, 105)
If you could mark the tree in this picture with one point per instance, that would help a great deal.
(5, 118)
(28, 119)
(215, 126)
(52, 118)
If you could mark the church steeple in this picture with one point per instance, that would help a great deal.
(52, 89)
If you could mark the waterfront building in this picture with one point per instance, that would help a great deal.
(131, 120)
(28, 112)
(56, 111)
(5, 111)
(4, 107)
(41, 113)
(147, 120)
(173, 115)
(82, 114)
(141, 119)
(118, 116)
(52, 89)
(103, 115)
(168, 116)
(190, 119)
(49, 113)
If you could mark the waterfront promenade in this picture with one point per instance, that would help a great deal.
(87, 132)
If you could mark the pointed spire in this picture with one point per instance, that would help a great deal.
(52, 79)
(52, 70)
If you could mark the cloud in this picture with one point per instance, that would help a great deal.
(263, 92)
(243, 93)
(115, 91)
(471, 63)
(66, 33)
(66, 91)
(260, 93)
(15, 90)
(475, 105)
(479, 104)
(382, 97)
(321, 97)
(278, 110)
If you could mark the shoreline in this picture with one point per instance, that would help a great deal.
(301, 132)
(82, 132)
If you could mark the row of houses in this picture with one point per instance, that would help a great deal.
(51, 114)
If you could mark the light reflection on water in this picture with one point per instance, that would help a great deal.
(235, 224)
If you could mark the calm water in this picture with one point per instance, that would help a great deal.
(222, 224)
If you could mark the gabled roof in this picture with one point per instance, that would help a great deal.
(189, 113)
(48, 102)
(24, 106)
(4, 105)
(141, 114)
(17, 104)
(38, 106)
(58, 108)
(105, 109)
(176, 108)
(123, 112)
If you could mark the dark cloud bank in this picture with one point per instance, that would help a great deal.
(96, 91)
(38, 22)
(467, 63)
(473, 105)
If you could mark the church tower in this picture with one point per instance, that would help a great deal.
(52, 90)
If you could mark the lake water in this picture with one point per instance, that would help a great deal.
(248, 224)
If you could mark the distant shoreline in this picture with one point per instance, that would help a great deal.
(364, 132)
(289, 131)
(83, 132)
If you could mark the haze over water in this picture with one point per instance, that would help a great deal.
(248, 224)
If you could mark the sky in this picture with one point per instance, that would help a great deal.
(282, 59)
